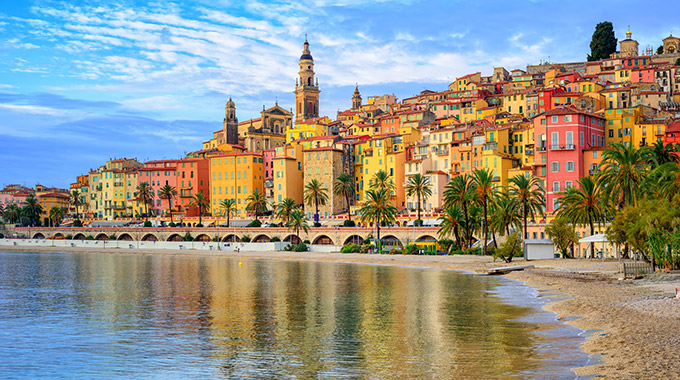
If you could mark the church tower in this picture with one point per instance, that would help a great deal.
(356, 99)
(230, 123)
(306, 88)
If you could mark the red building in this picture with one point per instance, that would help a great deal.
(545, 98)
(193, 177)
(158, 174)
(672, 135)
(568, 131)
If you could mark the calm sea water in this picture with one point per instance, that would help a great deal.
(145, 316)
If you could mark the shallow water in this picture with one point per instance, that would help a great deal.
(112, 315)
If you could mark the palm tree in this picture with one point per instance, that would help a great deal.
(485, 193)
(622, 171)
(285, 208)
(145, 195)
(2, 210)
(168, 192)
(344, 187)
(528, 194)
(315, 195)
(12, 213)
(378, 209)
(56, 215)
(382, 181)
(506, 213)
(460, 192)
(584, 205)
(201, 203)
(297, 221)
(419, 186)
(663, 181)
(256, 203)
(229, 207)
(452, 221)
(33, 209)
(659, 154)
(74, 198)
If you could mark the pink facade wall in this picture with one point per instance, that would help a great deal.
(158, 174)
(268, 167)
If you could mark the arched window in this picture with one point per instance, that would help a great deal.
(309, 81)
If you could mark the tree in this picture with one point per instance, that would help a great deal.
(145, 195)
(603, 43)
(419, 186)
(505, 214)
(659, 50)
(460, 192)
(285, 208)
(378, 209)
(528, 194)
(382, 181)
(452, 221)
(584, 205)
(316, 195)
(344, 187)
(622, 172)
(201, 203)
(33, 209)
(56, 215)
(74, 198)
(12, 213)
(511, 248)
(663, 181)
(168, 192)
(562, 234)
(659, 154)
(297, 221)
(677, 61)
(256, 203)
(229, 207)
(485, 193)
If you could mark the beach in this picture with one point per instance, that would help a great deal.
(632, 326)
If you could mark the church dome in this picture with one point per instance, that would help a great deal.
(230, 103)
(306, 54)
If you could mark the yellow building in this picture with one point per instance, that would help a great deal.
(49, 199)
(620, 126)
(379, 154)
(287, 167)
(309, 128)
(235, 176)
(514, 103)
(496, 155)
(112, 189)
(469, 107)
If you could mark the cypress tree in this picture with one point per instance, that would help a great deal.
(603, 43)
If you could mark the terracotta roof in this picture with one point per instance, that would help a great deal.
(569, 110)
(673, 127)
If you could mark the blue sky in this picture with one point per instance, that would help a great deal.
(85, 81)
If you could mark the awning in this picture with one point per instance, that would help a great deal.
(597, 238)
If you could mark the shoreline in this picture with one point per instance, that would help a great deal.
(637, 322)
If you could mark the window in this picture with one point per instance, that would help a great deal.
(568, 117)
(582, 139)
(594, 154)
(555, 140)
(611, 133)
(556, 187)
(554, 119)
(554, 166)
(570, 166)
(567, 185)
(570, 139)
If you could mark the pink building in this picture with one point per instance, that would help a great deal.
(568, 132)
(158, 174)
(644, 75)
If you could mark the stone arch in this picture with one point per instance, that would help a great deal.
(101, 236)
(262, 238)
(38, 236)
(292, 239)
(125, 237)
(79, 236)
(391, 242)
(426, 239)
(175, 237)
(202, 237)
(149, 237)
(231, 238)
(323, 240)
(355, 239)
(58, 235)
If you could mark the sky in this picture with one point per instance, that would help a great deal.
(84, 81)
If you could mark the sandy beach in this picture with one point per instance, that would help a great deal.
(633, 325)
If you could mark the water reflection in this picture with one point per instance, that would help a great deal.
(78, 315)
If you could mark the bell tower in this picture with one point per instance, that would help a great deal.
(230, 123)
(306, 88)
(356, 98)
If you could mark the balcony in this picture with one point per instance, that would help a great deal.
(490, 146)
(529, 152)
(541, 148)
(115, 206)
(562, 147)
(496, 179)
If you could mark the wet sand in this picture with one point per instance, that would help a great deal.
(636, 322)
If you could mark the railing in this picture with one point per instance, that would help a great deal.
(541, 148)
(562, 147)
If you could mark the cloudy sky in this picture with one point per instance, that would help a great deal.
(85, 81)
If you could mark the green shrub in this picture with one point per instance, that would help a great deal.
(317, 224)
(171, 224)
(418, 223)
(447, 245)
(396, 251)
(89, 237)
(2, 236)
(302, 247)
(68, 237)
(274, 239)
(245, 239)
(255, 223)
(411, 249)
(350, 248)
(199, 225)
(147, 223)
(367, 246)
(77, 223)
(216, 239)
(473, 251)
(306, 242)
(349, 223)
(113, 237)
(457, 252)
(187, 237)
(511, 248)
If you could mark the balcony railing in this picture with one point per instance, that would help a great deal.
(562, 147)
(541, 148)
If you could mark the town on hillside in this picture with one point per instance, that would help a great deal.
(551, 121)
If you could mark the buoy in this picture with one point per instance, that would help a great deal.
(240, 264)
